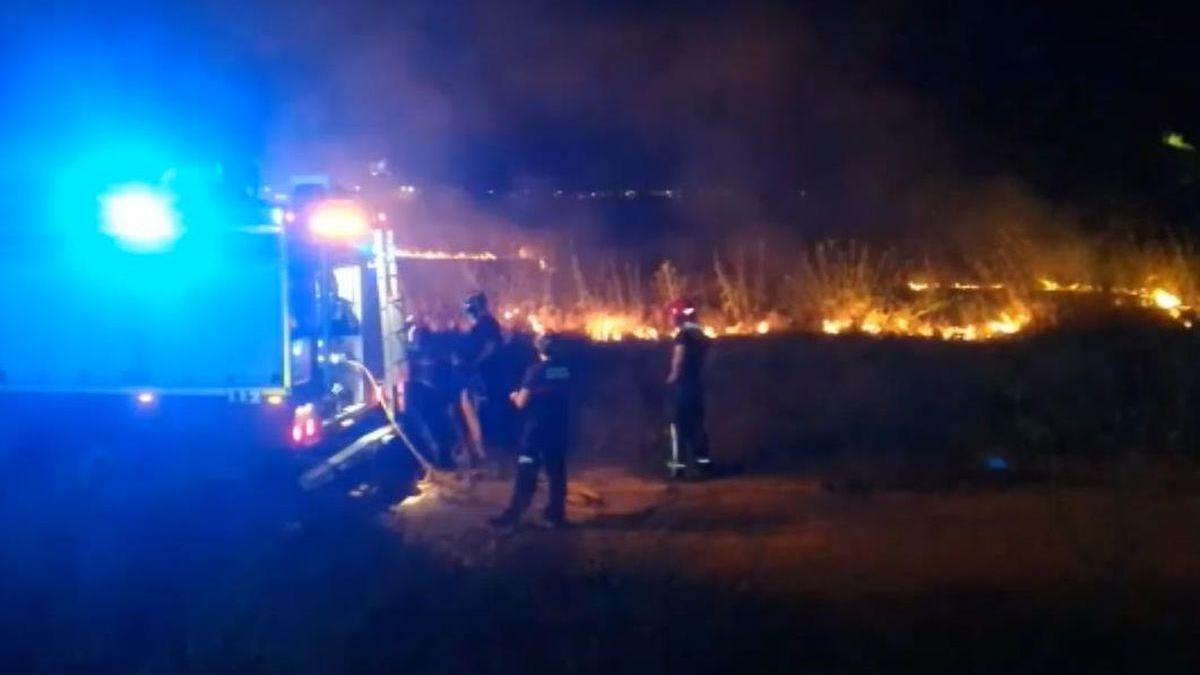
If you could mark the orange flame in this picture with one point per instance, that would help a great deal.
(445, 255)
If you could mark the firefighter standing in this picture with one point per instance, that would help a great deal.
(544, 403)
(484, 399)
(429, 396)
(685, 379)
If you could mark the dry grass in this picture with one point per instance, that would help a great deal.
(840, 286)
(669, 284)
(842, 279)
(742, 293)
(1172, 264)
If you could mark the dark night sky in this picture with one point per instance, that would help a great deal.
(866, 98)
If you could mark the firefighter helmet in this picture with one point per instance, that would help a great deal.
(475, 304)
(682, 311)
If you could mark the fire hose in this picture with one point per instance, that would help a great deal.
(431, 477)
(385, 405)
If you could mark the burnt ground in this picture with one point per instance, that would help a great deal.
(741, 574)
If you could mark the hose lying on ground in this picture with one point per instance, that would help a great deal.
(432, 479)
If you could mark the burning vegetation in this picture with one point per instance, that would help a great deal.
(838, 288)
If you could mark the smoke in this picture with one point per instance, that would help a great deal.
(776, 119)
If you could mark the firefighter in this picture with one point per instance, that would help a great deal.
(485, 401)
(543, 401)
(689, 438)
(429, 395)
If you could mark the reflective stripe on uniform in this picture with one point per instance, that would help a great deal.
(674, 446)
(524, 459)
(703, 460)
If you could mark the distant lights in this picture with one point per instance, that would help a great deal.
(146, 398)
(1174, 139)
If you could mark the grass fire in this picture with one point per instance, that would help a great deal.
(839, 288)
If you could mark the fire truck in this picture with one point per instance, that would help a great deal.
(180, 323)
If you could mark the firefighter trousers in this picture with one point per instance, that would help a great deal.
(534, 457)
(427, 418)
(688, 416)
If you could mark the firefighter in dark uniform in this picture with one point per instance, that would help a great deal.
(689, 438)
(429, 395)
(543, 401)
(484, 398)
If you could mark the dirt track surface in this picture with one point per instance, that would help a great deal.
(747, 574)
(760, 574)
(782, 534)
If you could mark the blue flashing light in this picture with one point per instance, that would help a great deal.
(142, 219)
(278, 214)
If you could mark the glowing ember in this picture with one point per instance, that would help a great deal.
(619, 327)
(835, 326)
(445, 255)
(1052, 286)
(1165, 299)
(1007, 325)
(904, 322)
(535, 325)
(602, 327)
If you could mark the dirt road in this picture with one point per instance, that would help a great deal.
(780, 575)
(791, 533)
(747, 574)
